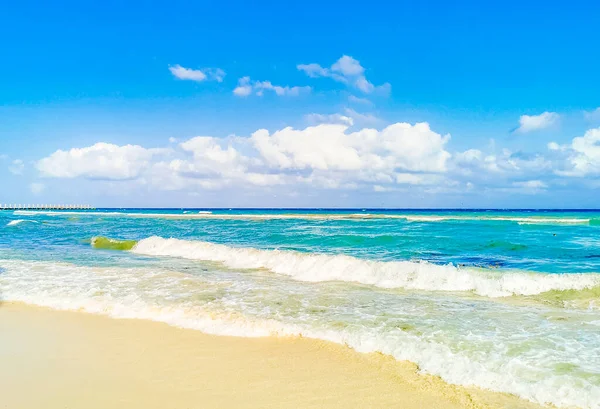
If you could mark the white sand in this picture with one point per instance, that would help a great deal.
(70, 360)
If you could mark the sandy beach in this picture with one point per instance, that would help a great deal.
(56, 359)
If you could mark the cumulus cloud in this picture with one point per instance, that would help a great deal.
(331, 154)
(210, 156)
(205, 74)
(216, 163)
(326, 155)
(99, 161)
(582, 154)
(16, 167)
(346, 70)
(400, 146)
(529, 123)
(246, 87)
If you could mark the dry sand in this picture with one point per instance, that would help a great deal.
(70, 360)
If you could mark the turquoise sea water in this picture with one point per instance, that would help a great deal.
(504, 300)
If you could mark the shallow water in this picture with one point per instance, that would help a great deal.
(505, 300)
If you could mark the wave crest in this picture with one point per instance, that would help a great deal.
(386, 274)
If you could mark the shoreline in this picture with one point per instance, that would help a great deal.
(87, 361)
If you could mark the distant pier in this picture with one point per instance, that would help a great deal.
(44, 207)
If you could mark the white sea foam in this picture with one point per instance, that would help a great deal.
(59, 213)
(156, 295)
(320, 216)
(118, 293)
(389, 274)
(590, 242)
(517, 219)
(19, 221)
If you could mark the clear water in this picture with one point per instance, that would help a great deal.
(505, 300)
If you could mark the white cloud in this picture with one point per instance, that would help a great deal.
(592, 116)
(216, 163)
(365, 86)
(362, 119)
(326, 155)
(327, 147)
(329, 155)
(211, 157)
(529, 123)
(358, 100)
(469, 156)
(346, 70)
(99, 161)
(417, 179)
(531, 184)
(172, 140)
(527, 187)
(210, 74)
(280, 91)
(187, 73)
(314, 70)
(382, 189)
(349, 117)
(583, 154)
(37, 188)
(16, 167)
(216, 74)
(553, 146)
(246, 87)
(505, 164)
(264, 179)
(348, 67)
(316, 119)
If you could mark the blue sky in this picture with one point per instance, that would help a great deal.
(133, 104)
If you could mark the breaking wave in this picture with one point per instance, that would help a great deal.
(176, 299)
(408, 275)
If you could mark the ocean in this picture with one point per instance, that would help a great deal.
(504, 300)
